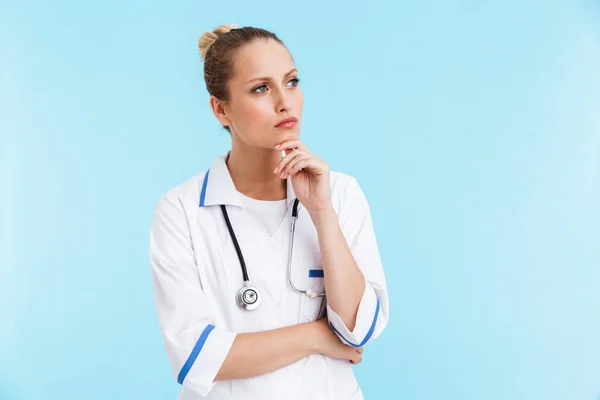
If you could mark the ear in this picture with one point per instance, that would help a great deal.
(218, 108)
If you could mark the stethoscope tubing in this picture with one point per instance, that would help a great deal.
(245, 276)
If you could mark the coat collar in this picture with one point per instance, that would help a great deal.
(218, 187)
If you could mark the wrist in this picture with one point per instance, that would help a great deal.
(314, 336)
(322, 215)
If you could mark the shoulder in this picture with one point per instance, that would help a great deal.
(343, 184)
(345, 189)
(185, 194)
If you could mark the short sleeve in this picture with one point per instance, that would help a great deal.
(373, 310)
(195, 346)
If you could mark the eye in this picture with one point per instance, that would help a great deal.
(259, 87)
(295, 81)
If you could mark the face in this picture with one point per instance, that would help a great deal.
(263, 91)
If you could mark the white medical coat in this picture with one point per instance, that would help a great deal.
(197, 273)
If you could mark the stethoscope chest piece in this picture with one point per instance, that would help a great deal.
(248, 298)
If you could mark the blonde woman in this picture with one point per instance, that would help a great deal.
(267, 275)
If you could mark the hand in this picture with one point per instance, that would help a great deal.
(309, 175)
(330, 345)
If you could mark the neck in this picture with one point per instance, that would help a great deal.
(251, 169)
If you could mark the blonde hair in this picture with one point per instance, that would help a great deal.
(208, 38)
(217, 50)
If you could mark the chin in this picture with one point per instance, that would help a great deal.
(293, 133)
(280, 135)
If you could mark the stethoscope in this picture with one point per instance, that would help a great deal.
(248, 297)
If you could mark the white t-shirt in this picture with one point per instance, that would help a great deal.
(269, 214)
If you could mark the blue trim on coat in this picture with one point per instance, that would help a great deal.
(369, 334)
(194, 354)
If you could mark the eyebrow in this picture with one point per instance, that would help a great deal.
(266, 78)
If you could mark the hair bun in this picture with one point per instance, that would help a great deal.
(208, 38)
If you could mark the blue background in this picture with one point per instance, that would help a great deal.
(472, 126)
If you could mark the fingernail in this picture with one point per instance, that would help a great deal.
(275, 170)
(277, 146)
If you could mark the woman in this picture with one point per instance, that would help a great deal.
(238, 321)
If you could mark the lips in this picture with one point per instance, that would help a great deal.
(287, 123)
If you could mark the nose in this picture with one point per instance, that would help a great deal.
(284, 102)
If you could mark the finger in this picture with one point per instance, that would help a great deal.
(295, 164)
(290, 144)
(306, 164)
(311, 163)
(285, 160)
(298, 164)
(357, 359)
(351, 353)
(283, 163)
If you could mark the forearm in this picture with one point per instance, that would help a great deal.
(257, 353)
(344, 282)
